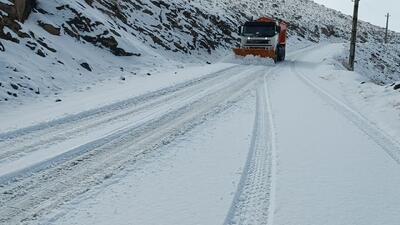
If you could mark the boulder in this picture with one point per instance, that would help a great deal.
(50, 28)
(24, 8)
(86, 66)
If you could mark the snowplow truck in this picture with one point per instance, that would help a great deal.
(264, 37)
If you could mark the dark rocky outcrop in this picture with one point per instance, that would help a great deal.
(50, 28)
(19, 11)
(14, 86)
(79, 26)
(40, 53)
(86, 66)
(24, 8)
(2, 49)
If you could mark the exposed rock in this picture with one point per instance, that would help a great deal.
(46, 46)
(328, 31)
(148, 12)
(86, 66)
(2, 49)
(9, 9)
(396, 87)
(14, 86)
(110, 43)
(121, 52)
(12, 94)
(24, 8)
(31, 45)
(70, 32)
(41, 53)
(10, 21)
(50, 28)
(6, 22)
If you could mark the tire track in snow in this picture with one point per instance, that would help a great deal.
(112, 107)
(273, 147)
(389, 144)
(148, 117)
(253, 203)
(26, 199)
(65, 132)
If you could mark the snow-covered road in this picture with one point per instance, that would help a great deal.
(245, 144)
(334, 167)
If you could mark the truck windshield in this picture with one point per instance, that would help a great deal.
(259, 30)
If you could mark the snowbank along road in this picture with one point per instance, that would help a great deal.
(303, 156)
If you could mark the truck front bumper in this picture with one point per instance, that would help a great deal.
(261, 52)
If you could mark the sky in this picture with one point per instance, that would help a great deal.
(372, 11)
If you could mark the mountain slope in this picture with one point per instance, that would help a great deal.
(64, 45)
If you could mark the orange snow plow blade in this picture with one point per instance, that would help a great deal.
(264, 53)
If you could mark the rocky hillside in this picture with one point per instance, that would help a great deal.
(50, 46)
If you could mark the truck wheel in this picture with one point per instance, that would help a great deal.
(281, 53)
(277, 55)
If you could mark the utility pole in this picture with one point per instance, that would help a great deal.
(353, 36)
(387, 28)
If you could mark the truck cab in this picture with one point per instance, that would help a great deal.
(263, 37)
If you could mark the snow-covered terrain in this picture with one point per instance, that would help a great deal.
(136, 112)
(73, 45)
(239, 144)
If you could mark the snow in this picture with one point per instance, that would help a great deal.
(201, 37)
(330, 171)
(129, 129)
(107, 92)
(236, 143)
(190, 182)
(166, 138)
(378, 105)
(84, 137)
